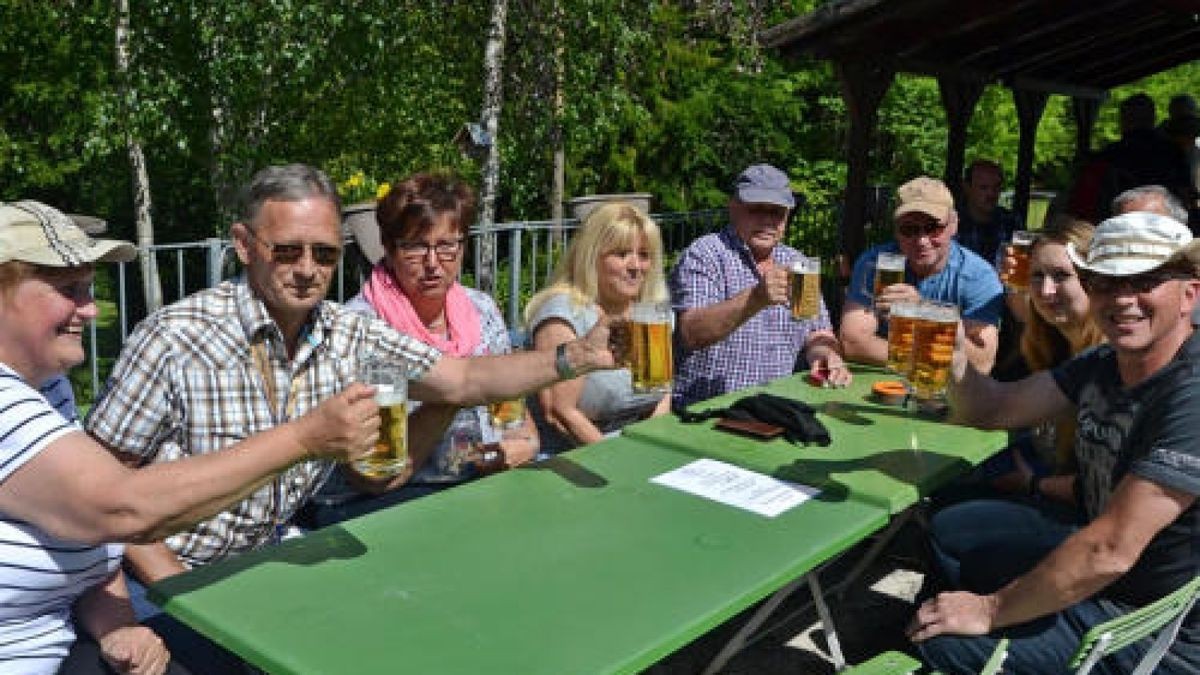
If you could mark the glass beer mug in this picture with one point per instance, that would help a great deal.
(390, 455)
(642, 343)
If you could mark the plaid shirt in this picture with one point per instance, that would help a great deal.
(186, 384)
(712, 269)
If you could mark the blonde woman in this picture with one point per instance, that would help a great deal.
(614, 260)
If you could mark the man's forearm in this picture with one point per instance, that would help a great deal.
(1078, 569)
(704, 326)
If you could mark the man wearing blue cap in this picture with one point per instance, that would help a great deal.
(1041, 582)
(730, 295)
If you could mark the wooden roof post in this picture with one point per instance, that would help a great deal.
(1030, 106)
(1084, 109)
(863, 86)
(959, 98)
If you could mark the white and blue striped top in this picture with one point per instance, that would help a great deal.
(41, 576)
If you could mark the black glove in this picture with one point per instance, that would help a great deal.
(796, 418)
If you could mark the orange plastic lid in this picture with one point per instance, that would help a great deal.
(889, 388)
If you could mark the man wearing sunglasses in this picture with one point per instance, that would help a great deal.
(936, 268)
(252, 352)
(1042, 582)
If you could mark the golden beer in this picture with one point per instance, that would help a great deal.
(804, 293)
(650, 356)
(390, 455)
(934, 333)
(900, 338)
(889, 270)
(1018, 278)
(508, 414)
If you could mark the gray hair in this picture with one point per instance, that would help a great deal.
(286, 183)
(1175, 208)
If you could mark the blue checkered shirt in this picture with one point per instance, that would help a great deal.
(186, 384)
(715, 268)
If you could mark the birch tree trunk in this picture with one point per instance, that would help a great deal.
(493, 96)
(558, 190)
(151, 288)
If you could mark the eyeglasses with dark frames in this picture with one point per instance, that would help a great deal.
(325, 255)
(1136, 283)
(914, 230)
(446, 249)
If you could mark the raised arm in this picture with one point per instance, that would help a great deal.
(75, 489)
(478, 380)
(700, 327)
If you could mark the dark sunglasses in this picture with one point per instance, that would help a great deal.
(446, 250)
(914, 230)
(1137, 283)
(325, 255)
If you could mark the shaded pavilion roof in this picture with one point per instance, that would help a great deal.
(1073, 47)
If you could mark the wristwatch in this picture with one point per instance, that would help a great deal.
(562, 364)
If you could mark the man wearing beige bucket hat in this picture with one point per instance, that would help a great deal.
(1041, 582)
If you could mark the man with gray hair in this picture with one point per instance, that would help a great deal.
(253, 352)
(1043, 582)
(1152, 199)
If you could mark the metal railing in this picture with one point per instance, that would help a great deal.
(528, 253)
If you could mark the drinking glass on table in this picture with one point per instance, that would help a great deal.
(935, 329)
(390, 455)
(642, 343)
(507, 414)
(804, 289)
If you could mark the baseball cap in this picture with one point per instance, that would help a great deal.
(925, 195)
(42, 235)
(1136, 242)
(764, 184)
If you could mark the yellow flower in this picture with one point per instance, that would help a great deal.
(382, 190)
(356, 180)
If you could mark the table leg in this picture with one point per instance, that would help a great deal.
(835, 646)
(738, 641)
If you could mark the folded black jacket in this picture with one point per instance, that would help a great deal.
(797, 419)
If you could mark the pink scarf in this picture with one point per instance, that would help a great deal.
(393, 306)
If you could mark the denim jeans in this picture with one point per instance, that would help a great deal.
(982, 545)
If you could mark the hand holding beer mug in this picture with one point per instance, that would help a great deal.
(390, 455)
(1014, 266)
(642, 343)
(935, 332)
(805, 293)
(889, 271)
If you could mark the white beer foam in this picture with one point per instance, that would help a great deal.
(389, 395)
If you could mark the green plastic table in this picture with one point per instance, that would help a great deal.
(885, 454)
(577, 565)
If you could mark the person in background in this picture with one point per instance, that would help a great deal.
(730, 292)
(984, 225)
(423, 222)
(1042, 583)
(614, 260)
(937, 268)
(255, 352)
(63, 598)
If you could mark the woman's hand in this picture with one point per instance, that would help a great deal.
(135, 650)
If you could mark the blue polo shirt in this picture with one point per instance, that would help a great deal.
(967, 281)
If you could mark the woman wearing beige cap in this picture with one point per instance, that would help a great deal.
(62, 495)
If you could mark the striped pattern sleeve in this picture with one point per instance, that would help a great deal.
(28, 423)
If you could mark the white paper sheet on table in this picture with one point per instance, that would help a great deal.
(735, 486)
